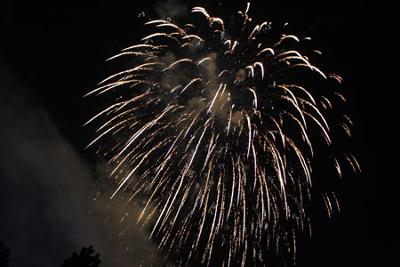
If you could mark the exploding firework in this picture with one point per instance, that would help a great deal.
(215, 125)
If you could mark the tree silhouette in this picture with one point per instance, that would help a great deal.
(4, 255)
(86, 258)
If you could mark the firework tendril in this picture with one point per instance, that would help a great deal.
(214, 126)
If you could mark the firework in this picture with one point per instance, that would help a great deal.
(214, 125)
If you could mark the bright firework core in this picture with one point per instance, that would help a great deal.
(214, 126)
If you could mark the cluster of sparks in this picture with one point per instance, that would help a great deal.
(215, 129)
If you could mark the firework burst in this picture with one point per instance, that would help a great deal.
(214, 126)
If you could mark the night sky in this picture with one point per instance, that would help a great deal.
(52, 53)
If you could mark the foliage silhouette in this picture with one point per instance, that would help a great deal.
(86, 258)
(4, 255)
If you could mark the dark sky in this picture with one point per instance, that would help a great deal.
(51, 53)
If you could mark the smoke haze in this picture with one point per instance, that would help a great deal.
(49, 200)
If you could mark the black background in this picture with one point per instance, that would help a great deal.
(57, 50)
